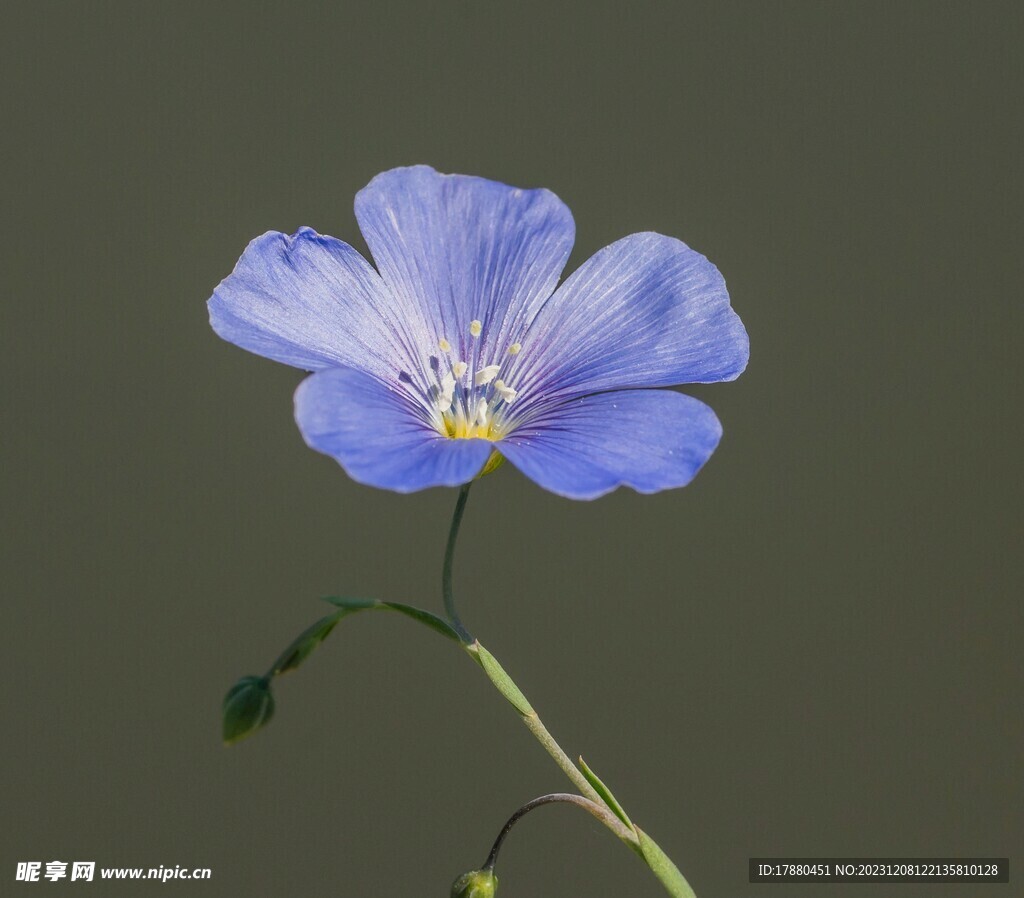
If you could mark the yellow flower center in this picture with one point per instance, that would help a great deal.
(471, 403)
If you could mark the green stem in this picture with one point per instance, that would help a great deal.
(507, 687)
(656, 859)
(584, 780)
(446, 571)
(591, 807)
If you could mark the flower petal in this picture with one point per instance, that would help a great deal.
(378, 435)
(456, 249)
(646, 311)
(649, 440)
(310, 301)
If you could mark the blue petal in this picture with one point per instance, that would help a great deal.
(462, 249)
(378, 435)
(649, 440)
(310, 301)
(646, 311)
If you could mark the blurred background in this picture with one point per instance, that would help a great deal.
(814, 649)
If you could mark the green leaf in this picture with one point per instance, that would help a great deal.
(438, 624)
(248, 705)
(303, 644)
(501, 679)
(605, 793)
(351, 603)
(662, 867)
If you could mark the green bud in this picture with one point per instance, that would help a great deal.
(248, 705)
(478, 884)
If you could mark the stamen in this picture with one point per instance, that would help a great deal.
(481, 412)
(505, 392)
(514, 348)
(458, 369)
(445, 394)
(444, 345)
(486, 375)
(475, 328)
(443, 401)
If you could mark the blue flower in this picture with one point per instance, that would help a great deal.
(462, 342)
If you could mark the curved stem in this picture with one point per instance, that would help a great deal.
(589, 806)
(507, 687)
(446, 571)
(616, 820)
(595, 792)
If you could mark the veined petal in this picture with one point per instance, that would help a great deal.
(310, 301)
(582, 448)
(378, 435)
(646, 311)
(456, 250)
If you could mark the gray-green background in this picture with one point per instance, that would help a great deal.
(812, 650)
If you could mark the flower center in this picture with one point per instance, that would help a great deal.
(471, 402)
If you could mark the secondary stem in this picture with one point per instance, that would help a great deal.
(589, 806)
(509, 689)
(446, 571)
(656, 859)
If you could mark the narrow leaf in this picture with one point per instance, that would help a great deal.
(438, 624)
(501, 679)
(351, 603)
(304, 644)
(605, 793)
(663, 868)
(250, 705)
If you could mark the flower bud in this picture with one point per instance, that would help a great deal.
(478, 884)
(247, 706)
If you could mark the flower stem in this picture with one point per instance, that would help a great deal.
(589, 806)
(593, 790)
(446, 571)
(507, 687)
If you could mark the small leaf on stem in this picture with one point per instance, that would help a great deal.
(605, 793)
(662, 867)
(438, 624)
(302, 646)
(501, 679)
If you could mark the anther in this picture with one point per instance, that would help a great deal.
(475, 328)
(486, 375)
(443, 402)
(504, 391)
(444, 345)
(458, 369)
(514, 348)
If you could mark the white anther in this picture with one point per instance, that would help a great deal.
(486, 375)
(514, 348)
(481, 412)
(475, 328)
(458, 369)
(444, 345)
(448, 384)
(504, 391)
(443, 402)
